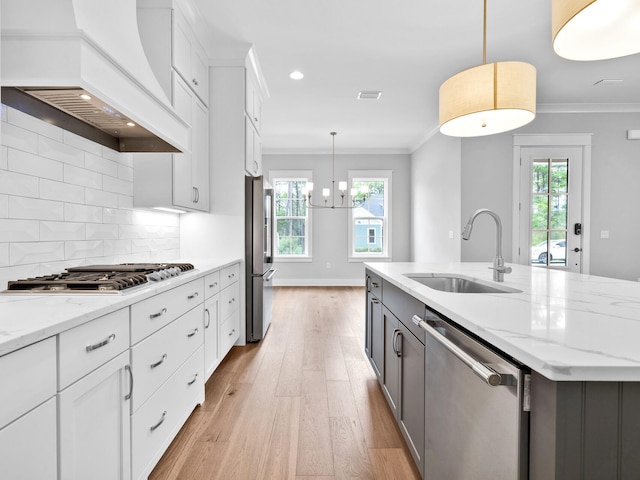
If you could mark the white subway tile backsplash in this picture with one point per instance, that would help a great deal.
(117, 185)
(125, 201)
(19, 138)
(82, 176)
(101, 198)
(19, 230)
(99, 164)
(82, 213)
(83, 249)
(35, 209)
(81, 143)
(55, 150)
(4, 163)
(64, 192)
(35, 252)
(113, 215)
(117, 247)
(13, 183)
(67, 201)
(28, 122)
(50, 231)
(4, 254)
(125, 173)
(101, 231)
(34, 165)
(4, 206)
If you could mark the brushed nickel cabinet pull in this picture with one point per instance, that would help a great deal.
(106, 341)
(213, 285)
(231, 301)
(159, 362)
(192, 296)
(128, 369)
(206, 310)
(232, 332)
(159, 314)
(192, 333)
(164, 415)
(195, 377)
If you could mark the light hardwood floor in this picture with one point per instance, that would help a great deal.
(302, 404)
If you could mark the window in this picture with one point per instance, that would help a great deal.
(292, 215)
(369, 229)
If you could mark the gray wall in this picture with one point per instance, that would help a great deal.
(615, 196)
(330, 227)
(435, 200)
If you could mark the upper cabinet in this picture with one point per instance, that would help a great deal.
(189, 58)
(176, 181)
(253, 99)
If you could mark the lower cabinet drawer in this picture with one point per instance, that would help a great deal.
(229, 333)
(27, 378)
(211, 284)
(28, 445)
(158, 356)
(229, 275)
(154, 426)
(229, 300)
(86, 347)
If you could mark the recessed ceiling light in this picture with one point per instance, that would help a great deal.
(608, 81)
(84, 96)
(369, 95)
(296, 75)
(131, 124)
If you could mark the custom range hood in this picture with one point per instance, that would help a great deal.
(80, 65)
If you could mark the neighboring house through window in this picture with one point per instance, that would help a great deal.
(370, 225)
(293, 226)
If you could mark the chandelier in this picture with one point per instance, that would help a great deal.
(489, 98)
(330, 193)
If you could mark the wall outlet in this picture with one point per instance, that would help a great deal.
(328, 264)
(604, 233)
(450, 233)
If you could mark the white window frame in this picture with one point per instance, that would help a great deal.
(293, 175)
(373, 175)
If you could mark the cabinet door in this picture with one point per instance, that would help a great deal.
(200, 155)
(248, 149)
(211, 338)
(181, 55)
(377, 336)
(411, 408)
(392, 352)
(28, 445)
(95, 431)
(199, 74)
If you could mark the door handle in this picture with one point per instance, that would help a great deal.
(577, 249)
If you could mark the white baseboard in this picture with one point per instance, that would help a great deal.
(318, 282)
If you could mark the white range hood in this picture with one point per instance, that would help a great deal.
(53, 51)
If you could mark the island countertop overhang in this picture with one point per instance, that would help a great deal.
(565, 326)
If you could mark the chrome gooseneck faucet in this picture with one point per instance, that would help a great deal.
(498, 263)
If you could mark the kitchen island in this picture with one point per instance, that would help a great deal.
(576, 334)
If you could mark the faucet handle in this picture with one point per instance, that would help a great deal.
(502, 269)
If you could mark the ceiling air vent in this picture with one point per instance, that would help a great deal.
(369, 95)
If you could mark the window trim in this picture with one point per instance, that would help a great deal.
(294, 175)
(373, 175)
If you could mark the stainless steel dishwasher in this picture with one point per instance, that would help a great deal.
(476, 412)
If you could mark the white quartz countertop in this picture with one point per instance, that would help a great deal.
(565, 326)
(28, 318)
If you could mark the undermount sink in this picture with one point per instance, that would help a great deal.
(446, 282)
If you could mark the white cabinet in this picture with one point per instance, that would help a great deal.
(253, 150)
(28, 445)
(189, 58)
(178, 180)
(93, 402)
(253, 100)
(28, 425)
(94, 437)
(211, 323)
(229, 308)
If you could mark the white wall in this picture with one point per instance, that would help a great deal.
(66, 201)
(615, 196)
(330, 227)
(435, 200)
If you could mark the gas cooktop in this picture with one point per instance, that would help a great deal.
(99, 278)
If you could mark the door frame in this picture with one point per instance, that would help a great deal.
(582, 140)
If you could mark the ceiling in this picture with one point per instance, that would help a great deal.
(404, 49)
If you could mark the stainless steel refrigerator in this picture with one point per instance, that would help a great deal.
(259, 244)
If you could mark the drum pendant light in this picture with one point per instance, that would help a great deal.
(488, 99)
(595, 29)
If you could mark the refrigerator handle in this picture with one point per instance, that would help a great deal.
(269, 275)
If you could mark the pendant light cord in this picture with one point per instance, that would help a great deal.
(484, 35)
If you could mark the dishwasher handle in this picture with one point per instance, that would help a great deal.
(488, 375)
